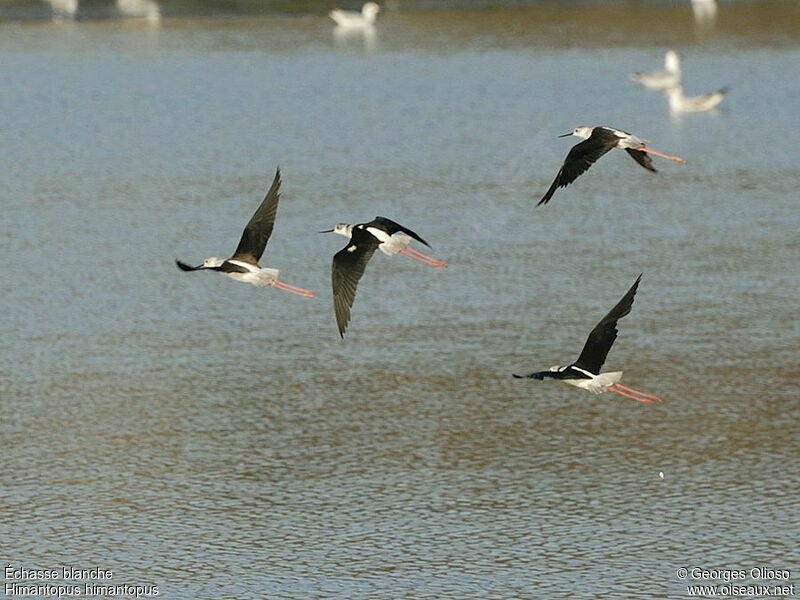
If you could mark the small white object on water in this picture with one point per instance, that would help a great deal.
(356, 20)
(679, 103)
(661, 474)
(663, 78)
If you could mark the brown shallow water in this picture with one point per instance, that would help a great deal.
(221, 441)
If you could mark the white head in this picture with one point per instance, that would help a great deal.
(344, 229)
(581, 132)
(369, 10)
(672, 62)
(212, 261)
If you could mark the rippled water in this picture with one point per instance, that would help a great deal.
(219, 440)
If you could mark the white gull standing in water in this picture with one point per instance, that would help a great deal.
(678, 103)
(704, 10)
(663, 78)
(63, 9)
(140, 9)
(352, 19)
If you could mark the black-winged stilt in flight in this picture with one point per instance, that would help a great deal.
(598, 141)
(243, 265)
(663, 78)
(349, 263)
(585, 372)
(679, 103)
(351, 19)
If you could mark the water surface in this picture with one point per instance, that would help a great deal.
(218, 440)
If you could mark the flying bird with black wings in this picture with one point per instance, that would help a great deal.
(349, 263)
(597, 142)
(243, 265)
(585, 372)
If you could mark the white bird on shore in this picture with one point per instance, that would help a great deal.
(704, 10)
(679, 103)
(63, 9)
(140, 9)
(663, 78)
(353, 19)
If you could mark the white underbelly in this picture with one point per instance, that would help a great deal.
(598, 383)
(390, 244)
(259, 278)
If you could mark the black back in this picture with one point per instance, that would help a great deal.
(568, 373)
(580, 157)
(604, 333)
(346, 271)
(259, 228)
(225, 267)
(391, 228)
(229, 267)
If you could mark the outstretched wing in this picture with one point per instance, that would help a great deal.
(391, 228)
(603, 335)
(259, 228)
(643, 158)
(346, 271)
(580, 158)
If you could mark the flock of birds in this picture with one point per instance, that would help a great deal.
(137, 9)
(348, 264)
(392, 238)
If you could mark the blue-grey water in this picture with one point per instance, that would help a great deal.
(220, 441)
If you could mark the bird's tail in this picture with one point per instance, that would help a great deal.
(610, 378)
(264, 277)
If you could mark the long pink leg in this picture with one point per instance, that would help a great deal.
(633, 391)
(417, 255)
(621, 393)
(662, 155)
(294, 290)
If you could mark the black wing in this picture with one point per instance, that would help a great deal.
(259, 228)
(580, 158)
(643, 158)
(184, 267)
(348, 267)
(391, 228)
(603, 335)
